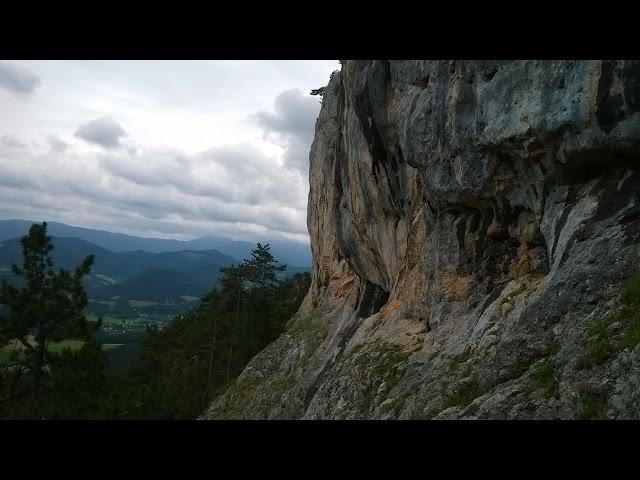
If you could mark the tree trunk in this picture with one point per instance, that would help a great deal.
(228, 375)
(37, 373)
(213, 344)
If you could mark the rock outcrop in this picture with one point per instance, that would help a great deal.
(471, 223)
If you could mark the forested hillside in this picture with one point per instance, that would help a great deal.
(105, 366)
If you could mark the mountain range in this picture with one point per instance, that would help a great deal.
(290, 253)
(127, 284)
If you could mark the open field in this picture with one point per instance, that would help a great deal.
(106, 279)
(57, 347)
(141, 303)
(189, 298)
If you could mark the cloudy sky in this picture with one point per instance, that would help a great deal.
(174, 149)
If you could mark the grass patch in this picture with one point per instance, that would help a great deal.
(309, 328)
(599, 328)
(603, 343)
(7, 354)
(631, 291)
(189, 298)
(519, 367)
(593, 405)
(14, 348)
(106, 319)
(379, 361)
(70, 344)
(466, 394)
(598, 351)
(457, 360)
(631, 335)
(240, 394)
(552, 349)
(543, 378)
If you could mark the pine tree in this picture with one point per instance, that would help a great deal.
(48, 308)
(263, 267)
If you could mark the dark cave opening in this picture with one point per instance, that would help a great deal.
(373, 300)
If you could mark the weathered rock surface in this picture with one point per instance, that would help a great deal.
(469, 222)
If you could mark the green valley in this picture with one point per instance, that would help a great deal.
(133, 290)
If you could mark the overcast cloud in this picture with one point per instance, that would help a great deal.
(10, 142)
(17, 79)
(169, 149)
(102, 131)
(57, 145)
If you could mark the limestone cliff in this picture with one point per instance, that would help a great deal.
(471, 224)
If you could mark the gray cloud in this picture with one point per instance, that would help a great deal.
(17, 79)
(103, 131)
(11, 142)
(239, 174)
(291, 125)
(57, 145)
(235, 190)
(241, 188)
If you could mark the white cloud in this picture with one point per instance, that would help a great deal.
(291, 125)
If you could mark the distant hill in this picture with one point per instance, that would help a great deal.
(131, 274)
(69, 252)
(158, 285)
(291, 253)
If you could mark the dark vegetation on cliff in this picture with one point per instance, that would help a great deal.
(52, 366)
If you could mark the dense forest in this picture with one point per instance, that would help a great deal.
(57, 369)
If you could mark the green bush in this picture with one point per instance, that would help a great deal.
(603, 345)
(466, 393)
(543, 378)
(593, 405)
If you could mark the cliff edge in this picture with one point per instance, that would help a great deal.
(472, 226)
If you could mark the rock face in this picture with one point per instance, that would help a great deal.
(471, 225)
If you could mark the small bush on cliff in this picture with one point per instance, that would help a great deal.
(593, 405)
(617, 331)
(543, 378)
(465, 394)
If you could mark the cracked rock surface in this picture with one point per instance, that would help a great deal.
(470, 222)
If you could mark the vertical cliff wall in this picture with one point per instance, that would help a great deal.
(471, 224)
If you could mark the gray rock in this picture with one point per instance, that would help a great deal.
(469, 221)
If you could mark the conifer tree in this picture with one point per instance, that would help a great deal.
(48, 308)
